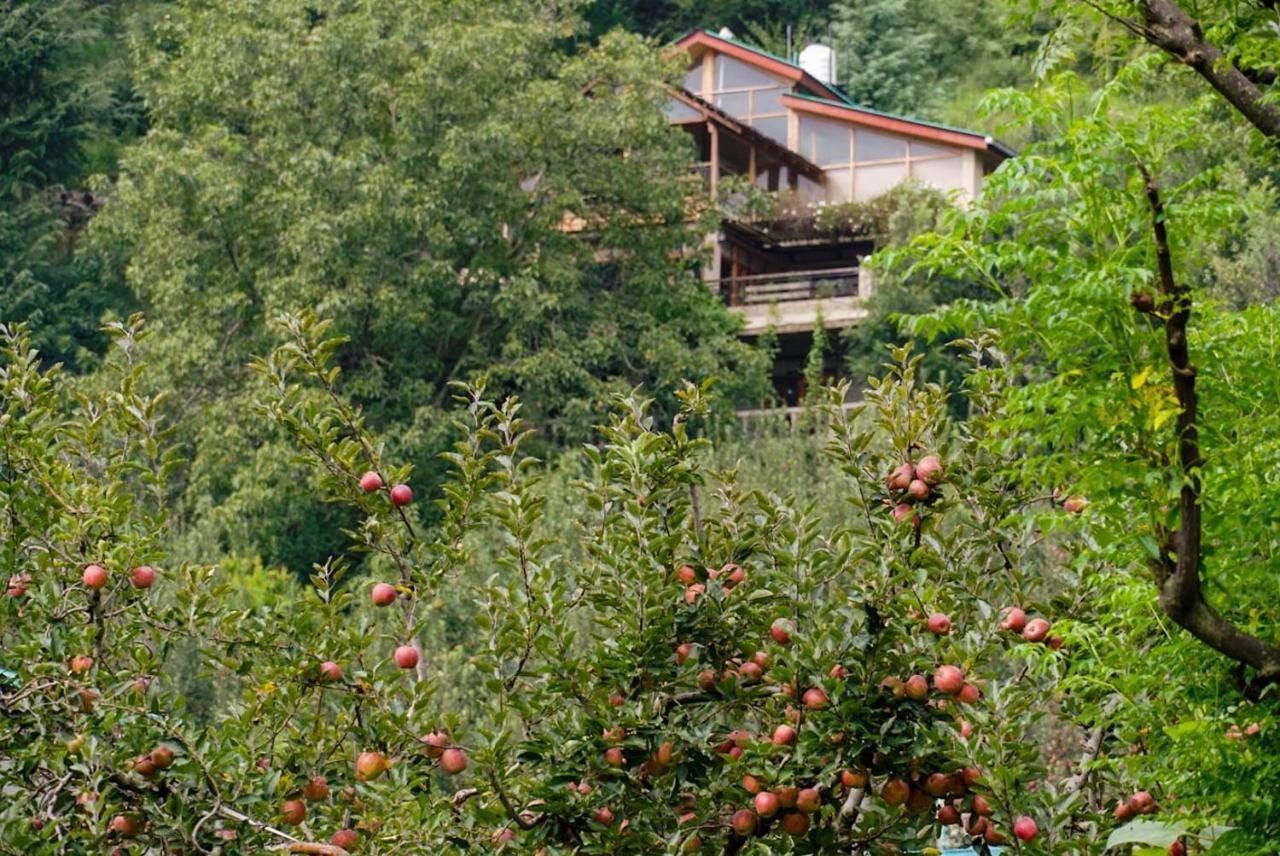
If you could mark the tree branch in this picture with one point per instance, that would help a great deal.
(1167, 26)
(1177, 572)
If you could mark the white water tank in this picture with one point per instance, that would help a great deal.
(820, 62)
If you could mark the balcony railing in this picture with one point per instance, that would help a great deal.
(767, 288)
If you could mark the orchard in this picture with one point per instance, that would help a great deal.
(686, 666)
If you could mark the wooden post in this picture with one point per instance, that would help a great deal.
(714, 133)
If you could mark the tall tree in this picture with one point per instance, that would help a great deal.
(463, 195)
(52, 104)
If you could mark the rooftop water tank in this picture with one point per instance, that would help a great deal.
(820, 62)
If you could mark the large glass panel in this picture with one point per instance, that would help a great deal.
(678, 111)
(873, 146)
(693, 80)
(943, 173)
(735, 74)
(928, 150)
(870, 181)
(767, 101)
(808, 189)
(733, 103)
(838, 181)
(774, 127)
(823, 141)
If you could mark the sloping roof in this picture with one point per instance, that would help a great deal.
(748, 133)
(758, 58)
(839, 104)
(892, 122)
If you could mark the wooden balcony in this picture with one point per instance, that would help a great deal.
(791, 302)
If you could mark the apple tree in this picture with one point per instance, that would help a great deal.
(685, 664)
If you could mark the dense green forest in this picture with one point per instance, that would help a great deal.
(261, 261)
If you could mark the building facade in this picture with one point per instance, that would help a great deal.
(773, 130)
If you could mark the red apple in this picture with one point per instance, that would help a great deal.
(743, 822)
(316, 788)
(347, 839)
(809, 800)
(795, 824)
(814, 698)
(693, 592)
(991, 835)
(766, 804)
(1122, 811)
(903, 513)
(371, 765)
(293, 812)
(929, 470)
(1142, 803)
(784, 735)
(125, 825)
(18, 584)
(781, 630)
(95, 577)
(900, 478)
(916, 688)
(604, 816)
(614, 757)
(750, 672)
(1075, 504)
(687, 575)
(81, 663)
(401, 495)
(965, 729)
(434, 743)
(948, 679)
(937, 785)
(939, 623)
(918, 489)
(370, 481)
(751, 784)
(406, 656)
(706, 680)
(1014, 619)
(1177, 848)
(143, 576)
(853, 779)
(683, 650)
(453, 761)
(162, 757)
(330, 671)
(981, 806)
(787, 796)
(919, 802)
(968, 694)
(503, 837)
(839, 672)
(948, 815)
(895, 792)
(1036, 630)
(145, 767)
(384, 594)
(1025, 828)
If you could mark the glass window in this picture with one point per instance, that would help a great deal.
(808, 189)
(735, 74)
(871, 181)
(693, 80)
(767, 101)
(873, 146)
(774, 127)
(823, 141)
(733, 103)
(838, 184)
(927, 150)
(943, 173)
(678, 111)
